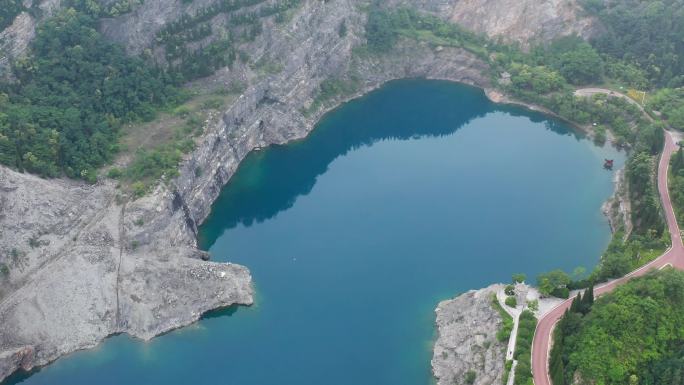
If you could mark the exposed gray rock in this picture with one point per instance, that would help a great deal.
(81, 280)
(514, 21)
(15, 39)
(12, 359)
(466, 341)
(618, 208)
(82, 267)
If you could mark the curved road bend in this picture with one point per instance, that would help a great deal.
(673, 256)
(588, 92)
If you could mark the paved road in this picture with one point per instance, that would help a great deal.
(587, 92)
(673, 256)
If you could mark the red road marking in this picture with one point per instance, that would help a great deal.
(673, 256)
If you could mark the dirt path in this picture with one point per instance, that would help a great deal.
(673, 256)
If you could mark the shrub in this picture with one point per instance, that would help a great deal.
(182, 111)
(561, 292)
(114, 173)
(511, 302)
(138, 189)
(519, 278)
(470, 377)
(4, 270)
(504, 333)
(509, 290)
(66, 91)
(212, 104)
(523, 347)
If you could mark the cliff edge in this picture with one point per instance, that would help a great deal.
(86, 263)
(466, 344)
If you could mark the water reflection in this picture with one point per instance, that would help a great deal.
(294, 168)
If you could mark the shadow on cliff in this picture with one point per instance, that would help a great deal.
(19, 376)
(269, 181)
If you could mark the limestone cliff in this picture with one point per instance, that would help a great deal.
(85, 264)
(514, 21)
(466, 341)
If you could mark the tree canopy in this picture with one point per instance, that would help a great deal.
(552, 281)
(647, 33)
(632, 334)
(72, 94)
(9, 9)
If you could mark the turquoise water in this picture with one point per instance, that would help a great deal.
(410, 195)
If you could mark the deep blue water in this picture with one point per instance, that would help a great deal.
(410, 195)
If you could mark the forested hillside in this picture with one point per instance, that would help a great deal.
(74, 91)
(72, 94)
(644, 47)
(647, 33)
(633, 335)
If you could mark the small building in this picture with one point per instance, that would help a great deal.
(608, 164)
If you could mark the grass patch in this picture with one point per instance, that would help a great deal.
(152, 151)
(523, 348)
(504, 333)
(333, 88)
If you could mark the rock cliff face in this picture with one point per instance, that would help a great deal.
(15, 39)
(466, 341)
(85, 264)
(75, 277)
(515, 21)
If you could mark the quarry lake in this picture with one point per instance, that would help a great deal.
(397, 200)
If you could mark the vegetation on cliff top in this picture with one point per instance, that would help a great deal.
(644, 34)
(75, 89)
(504, 333)
(71, 96)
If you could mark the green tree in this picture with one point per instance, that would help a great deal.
(631, 334)
(647, 33)
(379, 31)
(519, 278)
(470, 377)
(72, 94)
(509, 290)
(588, 300)
(676, 117)
(550, 281)
(582, 65)
(511, 302)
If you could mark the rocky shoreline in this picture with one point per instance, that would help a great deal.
(87, 263)
(466, 339)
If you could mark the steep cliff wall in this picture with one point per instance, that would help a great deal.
(466, 341)
(15, 39)
(514, 21)
(85, 266)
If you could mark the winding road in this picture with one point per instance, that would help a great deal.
(673, 256)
